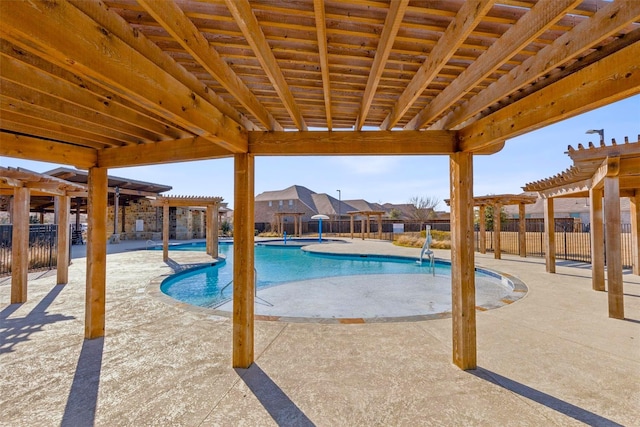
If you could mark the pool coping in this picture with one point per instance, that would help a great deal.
(518, 291)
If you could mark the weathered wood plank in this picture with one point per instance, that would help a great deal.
(28, 148)
(96, 253)
(463, 291)
(522, 230)
(613, 247)
(321, 30)
(635, 232)
(497, 228)
(165, 232)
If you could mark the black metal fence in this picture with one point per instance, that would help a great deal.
(43, 252)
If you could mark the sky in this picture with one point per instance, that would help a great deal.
(395, 179)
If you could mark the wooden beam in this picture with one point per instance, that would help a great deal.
(383, 49)
(606, 22)
(613, 78)
(483, 229)
(215, 227)
(123, 71)
(63, 214)
(250, 27)
(115, 24)
(243, 273)
(522, 230)
(321, 31)
(96, 253)
(182, 150)
(497, 228)
(597, 239)
(463, 293)
(613, 247)
(29, 148)
(574, 189)
(351, 143)
(635, 231)
(182, 29)
(609, 167)
(549, 236)
(165, 232)
(543, 15)
(467, 18)
(20, 245)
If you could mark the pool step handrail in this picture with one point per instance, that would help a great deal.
(255, 287)
(426, 250)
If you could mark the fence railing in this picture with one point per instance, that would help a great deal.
(43, 253)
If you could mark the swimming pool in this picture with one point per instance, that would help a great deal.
(277, 265)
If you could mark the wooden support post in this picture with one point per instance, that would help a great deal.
(63, 214)
(483, 229)
(497, 228)
(165, 231)
(463, 291)
(379, 227)
(635, 232)
(597, 239)
(215, 226)
(351, 227)
(362, 228)
(96, 253)
(522, 230)
(243, 253)
(368, 226)
(549, 236)
(20, 245)
(209, 230)
(613, 246)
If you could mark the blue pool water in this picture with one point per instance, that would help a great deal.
(207, 287)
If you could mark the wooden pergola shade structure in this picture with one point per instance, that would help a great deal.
(22, 184)
(366, 218)
(212, 204)
(604, 174)
(297, 222)
(497, 201)
(110, 84)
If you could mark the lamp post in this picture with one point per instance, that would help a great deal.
(339, 214)
(598, 131)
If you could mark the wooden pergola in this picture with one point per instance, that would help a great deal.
(103, 85)
(22, 184)
(497, 201)
(297, 222)
(366, 217)
(604, 174)
(212, 204)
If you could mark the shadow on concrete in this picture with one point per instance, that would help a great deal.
(545, 399)
(82, 402)
(16, 330)
(283, 411)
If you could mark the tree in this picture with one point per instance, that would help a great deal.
(395, 213)
(488, 217)
(424, 207)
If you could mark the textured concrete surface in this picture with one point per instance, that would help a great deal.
(551, 358)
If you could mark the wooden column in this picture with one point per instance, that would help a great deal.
(613, 246)
(362, 228)
(379, 227)
(215, 227)
(522, 230)
(549, 236)
(63, 214)
(497, 228)
(209, 230)
(597, 239)
(165, 231)
(635, 232)
(243, 253)
(463, 292)
(20, 245)
(483, 229)
(368, 226)
(351, 227)
(96, 253)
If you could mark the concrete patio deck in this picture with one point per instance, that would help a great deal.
(550, 358)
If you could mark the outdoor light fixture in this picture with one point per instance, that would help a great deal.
(598, 131)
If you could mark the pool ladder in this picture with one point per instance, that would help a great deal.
(426, 250)
(255, 290)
